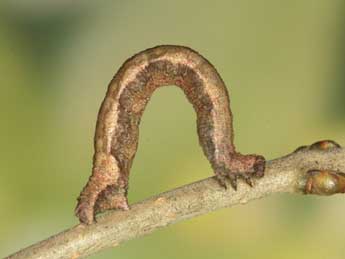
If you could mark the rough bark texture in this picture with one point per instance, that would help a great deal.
(288, 174)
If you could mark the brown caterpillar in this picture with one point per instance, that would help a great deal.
(117, 129)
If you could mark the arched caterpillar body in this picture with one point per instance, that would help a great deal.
(117, 129)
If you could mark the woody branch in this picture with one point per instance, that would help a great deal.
(294, 173)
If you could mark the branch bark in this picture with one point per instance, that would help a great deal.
(286, 174)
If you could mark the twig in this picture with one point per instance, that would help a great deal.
(286, 174)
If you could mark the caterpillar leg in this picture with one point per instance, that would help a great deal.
(241, 166)
(105, 173)
(113, 197)
(88, 197)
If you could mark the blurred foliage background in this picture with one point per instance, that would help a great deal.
(283, 62)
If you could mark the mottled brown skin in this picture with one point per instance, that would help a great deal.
(117, 131)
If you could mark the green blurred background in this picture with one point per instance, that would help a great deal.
(283, 62)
